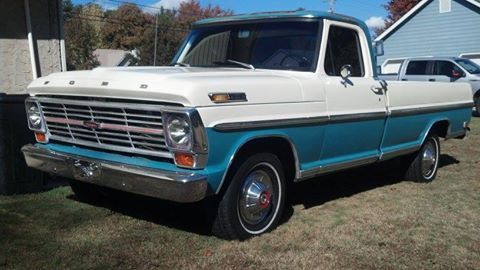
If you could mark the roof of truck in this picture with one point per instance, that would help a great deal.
(300, 14)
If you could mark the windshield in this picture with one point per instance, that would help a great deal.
(470, 66)
(290, 45)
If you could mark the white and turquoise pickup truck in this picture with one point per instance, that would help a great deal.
(250, 104)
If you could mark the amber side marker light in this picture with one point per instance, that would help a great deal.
(219, 98)
(185, 160)
(40, 137)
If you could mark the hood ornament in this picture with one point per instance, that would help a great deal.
(92, 124)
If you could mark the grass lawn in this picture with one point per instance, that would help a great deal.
(365, 218)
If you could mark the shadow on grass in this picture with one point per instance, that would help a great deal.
(198, 217)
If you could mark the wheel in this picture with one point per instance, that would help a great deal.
(87, 192)
(424, 166)
(477, 105)
(253, 202)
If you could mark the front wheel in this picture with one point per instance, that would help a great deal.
(424, 166)
(253, 202)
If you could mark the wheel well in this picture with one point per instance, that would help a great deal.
(477, 94)
(279, 146)
(440, 128)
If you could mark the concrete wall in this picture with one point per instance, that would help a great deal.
(431, 33)
(15, 75)
(16, 68)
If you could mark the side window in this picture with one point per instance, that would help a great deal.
(417, 68)
(343, 48)
(445, 68)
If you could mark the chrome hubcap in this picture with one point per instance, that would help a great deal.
(255, 202)
(429, 159)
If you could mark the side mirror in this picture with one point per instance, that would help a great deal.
(346, 72)
(379, 50)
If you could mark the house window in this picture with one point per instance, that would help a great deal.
(445, 6)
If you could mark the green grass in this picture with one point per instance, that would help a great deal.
(366, 218)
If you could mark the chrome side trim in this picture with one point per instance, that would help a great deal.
(169, 185)
(308, 174)
(342, 118)
(320, 120)
(333, 119)
(232, 157)
(271, 123)
(431, 109)
(397, 153)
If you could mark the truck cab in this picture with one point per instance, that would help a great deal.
(250, 104)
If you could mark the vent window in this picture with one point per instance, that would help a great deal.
(445, 6)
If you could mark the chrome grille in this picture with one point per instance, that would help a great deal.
(123, 127)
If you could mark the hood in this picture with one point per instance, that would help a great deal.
(186, 86)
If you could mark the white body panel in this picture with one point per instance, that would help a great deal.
(271, 95)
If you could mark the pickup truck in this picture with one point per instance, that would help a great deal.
(250, 105)
(440, 69)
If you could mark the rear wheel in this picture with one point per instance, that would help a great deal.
(477, 105)
(424, 166)
(253, 202)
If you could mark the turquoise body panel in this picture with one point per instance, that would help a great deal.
(408, 131)
(351, 140)
(316, 146)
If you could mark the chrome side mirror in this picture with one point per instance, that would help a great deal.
(346, 72)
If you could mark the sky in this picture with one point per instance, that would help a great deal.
(371, 11)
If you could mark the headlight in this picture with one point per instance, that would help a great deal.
(34, 116)
(186, 137)
(178, 131)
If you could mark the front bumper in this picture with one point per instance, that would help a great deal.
(169, 185)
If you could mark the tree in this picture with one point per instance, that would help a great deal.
(79, 42)
(191, 11)
(93, 14)
(396, 9)
(125, 28)
(173, 26)
(67, 9)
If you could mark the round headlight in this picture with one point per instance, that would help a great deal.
(179, 131)
(34, 116)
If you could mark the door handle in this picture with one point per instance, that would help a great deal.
(431, 80)
(404, 80)
(377, 90)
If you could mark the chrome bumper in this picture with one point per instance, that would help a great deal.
(169, 185)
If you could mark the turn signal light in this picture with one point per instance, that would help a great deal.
(185, 160)
(40, 137)
(219, 98)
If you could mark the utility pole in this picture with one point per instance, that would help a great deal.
(332, 6)
(155, 42)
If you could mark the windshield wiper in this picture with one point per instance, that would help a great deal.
(245, 65)
(181, 64)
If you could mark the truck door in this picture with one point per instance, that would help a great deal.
(417, 70)
(446, 71)
(356, 105)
